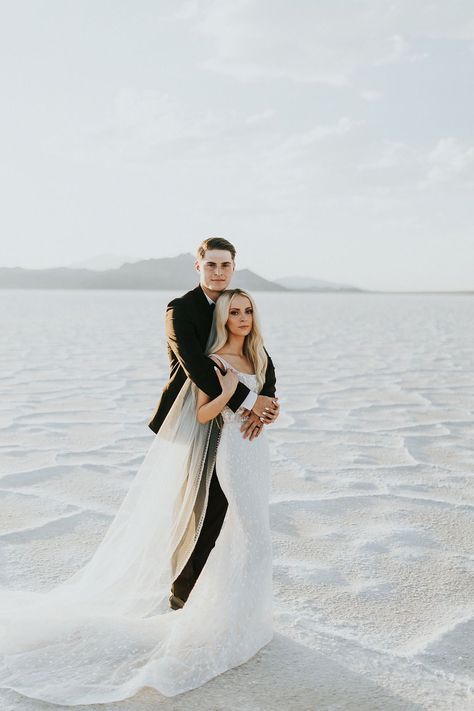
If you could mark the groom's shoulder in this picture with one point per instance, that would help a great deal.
(187, 300)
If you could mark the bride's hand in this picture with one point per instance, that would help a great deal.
(228, 381)
(252, 426)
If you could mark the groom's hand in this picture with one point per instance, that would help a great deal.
(266, 408)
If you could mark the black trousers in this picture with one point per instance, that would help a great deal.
(214, 518)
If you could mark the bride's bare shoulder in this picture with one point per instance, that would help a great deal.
(216, 359)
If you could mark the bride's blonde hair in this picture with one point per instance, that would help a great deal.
(253, 344)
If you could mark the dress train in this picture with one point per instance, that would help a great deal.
(107, 631)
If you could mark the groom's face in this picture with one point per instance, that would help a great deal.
(216, 269)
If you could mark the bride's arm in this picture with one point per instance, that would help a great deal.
(206, 408)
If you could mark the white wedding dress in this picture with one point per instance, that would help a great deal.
(107, 631)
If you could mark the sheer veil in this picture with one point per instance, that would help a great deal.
(85, 626)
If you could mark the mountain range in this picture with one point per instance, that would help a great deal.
(166, 273)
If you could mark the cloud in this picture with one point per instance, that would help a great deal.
(407, 167)
(151, 126)
(188, 10)
(390, 154)
(260, 117)
(398, 50)
(448, 160)
(320, 132)
(371, 95)
(326, 43)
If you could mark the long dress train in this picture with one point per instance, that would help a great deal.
(107, 631)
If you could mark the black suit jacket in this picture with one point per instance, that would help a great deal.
(188, 324)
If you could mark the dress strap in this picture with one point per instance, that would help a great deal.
(227, 365)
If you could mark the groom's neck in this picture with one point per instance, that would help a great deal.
(211, 294)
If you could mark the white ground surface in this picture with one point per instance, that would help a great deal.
(373, 500)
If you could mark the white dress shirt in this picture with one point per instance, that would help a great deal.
(251, 398)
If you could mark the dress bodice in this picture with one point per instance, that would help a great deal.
(248, 379)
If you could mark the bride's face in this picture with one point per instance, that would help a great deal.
(240, 319)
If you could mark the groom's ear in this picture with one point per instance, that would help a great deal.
(196, 266)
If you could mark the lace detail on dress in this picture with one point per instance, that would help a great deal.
(248, 379)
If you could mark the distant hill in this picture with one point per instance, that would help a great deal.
(102, 262)
(168, 273)
(297, 283)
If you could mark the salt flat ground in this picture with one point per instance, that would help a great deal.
(372, 503)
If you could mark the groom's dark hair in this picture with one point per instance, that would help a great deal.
(215, 243)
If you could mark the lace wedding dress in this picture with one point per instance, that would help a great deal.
(107, 631)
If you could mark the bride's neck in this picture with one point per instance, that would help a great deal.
(235, 346)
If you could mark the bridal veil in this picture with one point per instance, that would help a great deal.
(89, 638)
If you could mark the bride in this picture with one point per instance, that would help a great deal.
(107, 631)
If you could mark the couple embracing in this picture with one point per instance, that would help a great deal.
(212, 321)
(192, 532)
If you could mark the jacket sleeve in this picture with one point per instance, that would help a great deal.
(184, 342)
(269, 386)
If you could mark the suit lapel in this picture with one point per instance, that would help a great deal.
(204, 313)
(201, 298)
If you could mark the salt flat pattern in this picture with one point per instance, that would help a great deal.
(372, 482)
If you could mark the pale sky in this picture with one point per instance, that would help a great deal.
(331, 139)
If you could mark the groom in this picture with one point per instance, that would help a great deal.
(188, 324)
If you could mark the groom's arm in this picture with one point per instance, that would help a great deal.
(269, 386)
(184, 342)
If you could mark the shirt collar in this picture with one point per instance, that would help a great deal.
(209, 300)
